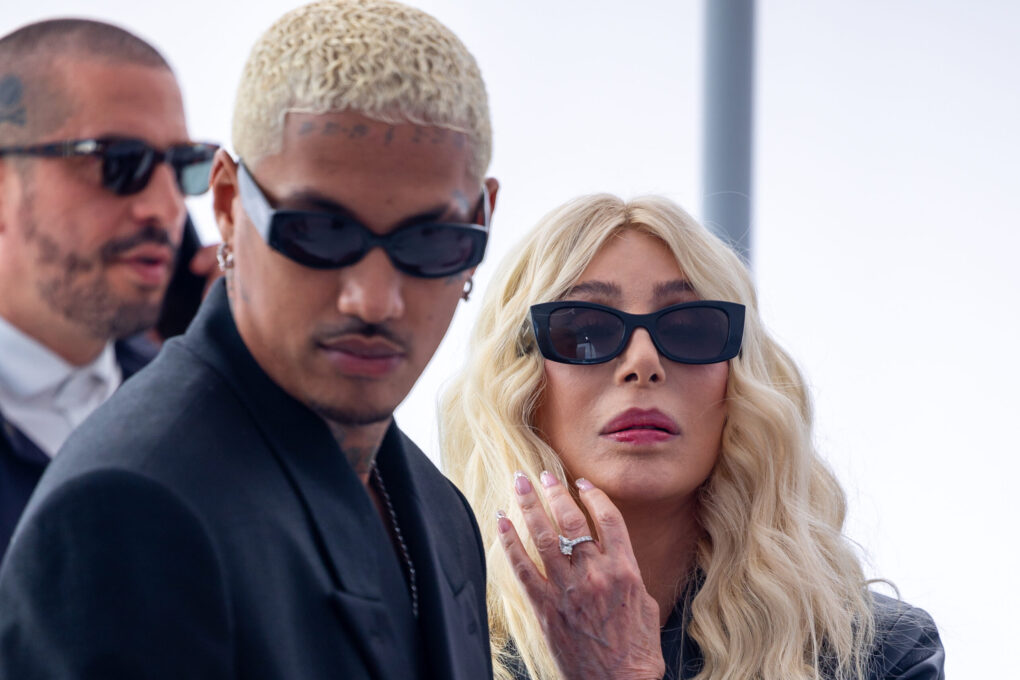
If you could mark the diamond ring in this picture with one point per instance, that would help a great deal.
(567, 544)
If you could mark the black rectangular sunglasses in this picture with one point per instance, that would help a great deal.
(701, 332)
(128, 164)
(323, 240)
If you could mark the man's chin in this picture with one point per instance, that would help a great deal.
(133, 318)
(349, 415)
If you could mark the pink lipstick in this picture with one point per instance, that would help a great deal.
(641, 426)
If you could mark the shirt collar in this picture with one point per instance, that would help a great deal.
(27, 367)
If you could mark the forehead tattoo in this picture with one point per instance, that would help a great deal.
(12, 109)
(416, 133)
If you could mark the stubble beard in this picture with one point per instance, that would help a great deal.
(75, 286)
(92, 305)
(349, 416)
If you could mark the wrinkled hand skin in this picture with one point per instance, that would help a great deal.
(605, 627)
(598, 619)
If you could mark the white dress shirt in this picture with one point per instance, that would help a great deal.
(44, 396)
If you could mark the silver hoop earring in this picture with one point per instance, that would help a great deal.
(225, 257)
(468, 286)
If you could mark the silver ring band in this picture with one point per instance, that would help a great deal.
(567, 544)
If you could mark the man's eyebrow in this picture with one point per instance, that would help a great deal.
(310, 200)
(602, 289)
(674, 287)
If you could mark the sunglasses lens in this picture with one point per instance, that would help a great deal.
(583, 335)
(127, 167)
(317, 240)
(432, 250)
(693, 333)
(192, 164)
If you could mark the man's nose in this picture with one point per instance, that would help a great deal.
(161, 202)
(372, 289)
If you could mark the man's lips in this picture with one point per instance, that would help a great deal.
(150, 263)
(641, 426)
(362, 356)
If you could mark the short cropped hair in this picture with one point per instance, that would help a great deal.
(31, 98)
(380, 58)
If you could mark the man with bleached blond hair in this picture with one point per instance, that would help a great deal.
(246, 507)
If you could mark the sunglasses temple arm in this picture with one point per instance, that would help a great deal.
(254, 202)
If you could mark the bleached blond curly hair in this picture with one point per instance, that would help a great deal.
(784, 595)
(380, 58)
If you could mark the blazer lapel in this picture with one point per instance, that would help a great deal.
(449, 622)
(353, 537)
(348, 531)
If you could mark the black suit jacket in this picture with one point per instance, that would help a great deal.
(22, 462)
(204, 524)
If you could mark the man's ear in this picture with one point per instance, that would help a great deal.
(5, 179)
(492, 184)
(223, 184)
(492, 187)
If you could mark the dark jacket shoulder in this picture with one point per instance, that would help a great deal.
(907, 643)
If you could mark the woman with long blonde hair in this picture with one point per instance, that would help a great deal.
(644, 450)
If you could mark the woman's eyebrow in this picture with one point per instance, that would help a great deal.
(672, 288)
(601, 289)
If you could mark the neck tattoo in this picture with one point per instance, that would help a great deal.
(408, 565)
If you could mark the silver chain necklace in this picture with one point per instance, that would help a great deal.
(412, 580)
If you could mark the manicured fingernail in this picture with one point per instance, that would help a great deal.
(583, 484)
(548, 479)
(502, 523)
(522, 484)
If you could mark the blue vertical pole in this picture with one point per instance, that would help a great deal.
(729, 112)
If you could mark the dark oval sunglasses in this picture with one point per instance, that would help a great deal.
(324, 240)
(701, 332)
(128, 164)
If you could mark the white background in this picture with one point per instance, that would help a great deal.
(886, 229)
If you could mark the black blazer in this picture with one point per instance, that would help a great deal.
(22, 462)
(204, 524)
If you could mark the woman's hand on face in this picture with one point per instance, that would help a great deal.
(598, 619)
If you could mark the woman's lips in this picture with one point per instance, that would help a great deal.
(362, 357)
(641, 426)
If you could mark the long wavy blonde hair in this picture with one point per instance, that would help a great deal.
(784, 595)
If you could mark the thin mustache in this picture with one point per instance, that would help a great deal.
(359, 327)
(111, 250)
